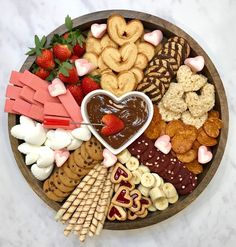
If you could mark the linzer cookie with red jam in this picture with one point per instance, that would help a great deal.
(126, 116)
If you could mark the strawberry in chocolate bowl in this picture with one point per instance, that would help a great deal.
(117, 120)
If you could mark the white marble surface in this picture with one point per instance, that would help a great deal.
(209, 221)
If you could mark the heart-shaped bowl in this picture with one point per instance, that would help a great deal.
(140, 95)
(150, 23)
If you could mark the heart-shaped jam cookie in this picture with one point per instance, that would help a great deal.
(122, 198)
(136, 196)
(135, 109)
(130, 186)
(145, 203)
(120, 173)
(116, 213)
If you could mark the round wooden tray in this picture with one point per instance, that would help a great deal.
(150, 23)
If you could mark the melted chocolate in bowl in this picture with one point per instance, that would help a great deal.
(132, 110)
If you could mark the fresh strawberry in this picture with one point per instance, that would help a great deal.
(77, 92)
(90, 83)
(42, 73)
(68, 73)
(61, 51)
(45, 60)
(113, 125)
(44, 57)
(73, 58)
(79, 49)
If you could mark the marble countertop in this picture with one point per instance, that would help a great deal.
(208, 221)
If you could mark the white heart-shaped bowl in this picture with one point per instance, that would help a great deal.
(140, 95)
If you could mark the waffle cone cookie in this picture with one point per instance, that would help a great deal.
(91, 198)
(75, 193)
(82, 230)
(84, 200)
(103, 204)
(85, 189)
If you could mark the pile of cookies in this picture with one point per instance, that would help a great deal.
(64, 179)
(163, 68)
(120, 55)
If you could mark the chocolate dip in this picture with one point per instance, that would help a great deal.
(133, 111)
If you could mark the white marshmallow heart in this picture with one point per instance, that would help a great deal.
(109, 158)
(82, 133)
(27, 122)
(75, 143)
(46, 157)
(83, 66)
(56, 88)
(204, 155)
(18, 132)
(27, 148)
(196, 64)
(98, 30)
(36, 136)
(31, 158)
(61, 156)
(155, 37)
(41, 173)
(58, 139)
(163, 144)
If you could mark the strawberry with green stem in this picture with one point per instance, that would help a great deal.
(90, 83)
(44, 57)
(67, 73)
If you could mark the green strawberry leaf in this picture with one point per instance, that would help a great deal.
(64, 71)
(57, 61)
(68, 23)
(43, 41)
(51, 76)
(96, 78)
(31, 51)
(37, 41)
(67, 65)
(34, 68)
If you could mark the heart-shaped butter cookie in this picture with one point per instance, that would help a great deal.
(122, 32)
(120, 59)
(118, 85)
(134, 108)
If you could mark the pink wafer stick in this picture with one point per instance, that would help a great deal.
(33, 81)
(71, 107)
(13, 92)
(15, 78)
(55, 109)
(9, 105)
(27, 94)
(21, 106)
(43, 96)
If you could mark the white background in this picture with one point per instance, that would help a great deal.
(210, 221)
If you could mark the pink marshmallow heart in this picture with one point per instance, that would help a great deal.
(61, 156)
(196, 64)
(204, 155)
(155, 37)
(109, 158)
(163, 144)
(56, 88)
(98, 30)
(83, 66)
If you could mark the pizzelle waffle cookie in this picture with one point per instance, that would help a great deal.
(67, 177)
